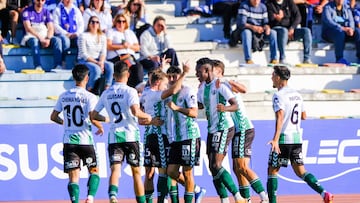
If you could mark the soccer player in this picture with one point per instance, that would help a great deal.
(218, 102)
(77, 105)
(123, 107)
(184, 135)
(287, 141)
(156, 140)
(242, 140)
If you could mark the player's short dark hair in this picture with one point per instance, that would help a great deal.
(173, 70)
(120, 67)
(219, 64)
(205, 61)
(79, 72)
(282, 71)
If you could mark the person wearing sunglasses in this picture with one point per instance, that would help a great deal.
(92, 53)
(69, 24)
(39, 28)
(136, 16)
(98, 8)
(122, 45)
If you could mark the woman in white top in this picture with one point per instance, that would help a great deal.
(122, 44)
(92, 53)
(98, 8)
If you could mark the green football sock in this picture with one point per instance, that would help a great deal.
(74, 191)
(149, 194)
(140, 199)
(113, 191)
(313, 182)
(162, 187)
(245, 191)
(93, 184)
(272, 184)
(220, 188)
(188, 197)
(228, 181)
(257, 186)
(174, 194)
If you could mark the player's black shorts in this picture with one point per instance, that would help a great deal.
(73, 153)
(156, 151)
(185, 153)
(130, 150)
(218, 142)
(292, 152)
(241, 145)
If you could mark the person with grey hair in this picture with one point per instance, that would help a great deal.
(286, 144)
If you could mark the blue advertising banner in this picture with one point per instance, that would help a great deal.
(31, 161)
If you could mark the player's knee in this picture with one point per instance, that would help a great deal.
(214, 168)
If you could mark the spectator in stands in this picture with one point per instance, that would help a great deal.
(16, 7)
(155, 45)
(39, 28)
(69, 24)
(338, 27)
(228, 9)
(284, 18)
(5, 20)
(310, 9)
(135, 14)
(122, 44)
(253, 27)
(92, 53)
(84, 4)
(97, 8)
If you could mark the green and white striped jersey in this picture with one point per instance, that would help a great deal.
(291, 102)
(209, 95)
(153, 104)
(240, 117)
(181, 127)
(76, 104)
(117, 101)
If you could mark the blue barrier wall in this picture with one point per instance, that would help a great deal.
(31, 161)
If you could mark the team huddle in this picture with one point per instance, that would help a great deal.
(168, 109)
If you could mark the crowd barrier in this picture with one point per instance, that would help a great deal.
(31, 161)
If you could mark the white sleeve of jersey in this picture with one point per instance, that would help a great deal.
(101, 103)
(92, 102)
(278, 102)
(133, 98)
(200, 94)
(226, 92)
(191, 98)
(58, 105)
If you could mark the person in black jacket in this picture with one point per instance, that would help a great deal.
(284, 18)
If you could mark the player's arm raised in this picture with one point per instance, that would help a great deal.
(177, 86)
